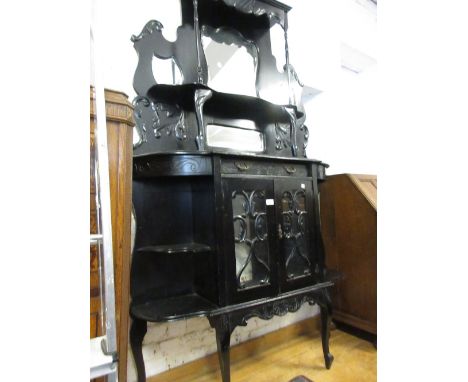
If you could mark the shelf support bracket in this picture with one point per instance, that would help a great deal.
(201, 96)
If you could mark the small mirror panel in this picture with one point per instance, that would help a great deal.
(234, 138)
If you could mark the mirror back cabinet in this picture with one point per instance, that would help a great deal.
(225, 230)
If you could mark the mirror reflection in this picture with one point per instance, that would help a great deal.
(234, 139)
(231, 68)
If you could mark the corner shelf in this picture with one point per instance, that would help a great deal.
(176, 248)
(172, 308)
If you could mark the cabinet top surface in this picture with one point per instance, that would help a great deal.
(231, 155)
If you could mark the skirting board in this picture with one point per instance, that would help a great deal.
(355, 322)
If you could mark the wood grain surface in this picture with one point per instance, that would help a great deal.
(119, 141)
(349, 228)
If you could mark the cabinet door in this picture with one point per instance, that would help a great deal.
(294, 213)
(249, 220)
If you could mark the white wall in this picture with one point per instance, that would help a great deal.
(119, 21)
(341, 120)
(343, 124)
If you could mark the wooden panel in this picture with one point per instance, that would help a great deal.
(120, 149)
(349, 228)
(95, 317)
(94, 325)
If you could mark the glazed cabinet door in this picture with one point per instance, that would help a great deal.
(295, 232)
(249, 224)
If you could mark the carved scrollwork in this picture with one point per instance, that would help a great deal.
(306, 137)
(293, 121)
(266, 311)
(243, 5)
(276, 308)
(253, 214)
(149, 28)
(293, 225)
(283, 138)
(138, 104)
(191, 165)
(256, 8)
(183, 165)
(293, 73)
(163, 117)
(142, 166)
(169, 118)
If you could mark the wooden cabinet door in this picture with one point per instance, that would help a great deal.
(249, 220)
(295, 232)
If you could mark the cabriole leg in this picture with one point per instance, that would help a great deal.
(325, 316)
(223, 340)
(137, 333)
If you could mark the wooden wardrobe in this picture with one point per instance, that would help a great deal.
(349, 228)
(120, 124)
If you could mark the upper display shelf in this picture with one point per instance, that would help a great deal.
(222, 57)
(223, 105)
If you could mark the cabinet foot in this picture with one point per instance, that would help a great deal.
(137, 333)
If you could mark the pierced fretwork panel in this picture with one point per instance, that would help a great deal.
(250, 238)
(295, 234)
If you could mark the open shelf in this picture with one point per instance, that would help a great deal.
(224, 105)
(176, 248)
(172, 308)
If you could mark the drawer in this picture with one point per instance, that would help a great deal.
(255, 167)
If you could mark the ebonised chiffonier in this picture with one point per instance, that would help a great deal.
(226, 228)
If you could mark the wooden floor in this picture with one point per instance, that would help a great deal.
(285, 354)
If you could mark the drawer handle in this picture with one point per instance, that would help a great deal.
(242, 166)
(290, 169)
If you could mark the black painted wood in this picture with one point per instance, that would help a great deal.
(223, 105)
(296, 232)
(173, 117)
(223, 329)
(216, 233)
(172, 308)
(325, 316)
(171, 165)
(176, 248)
(255, 193)
(185, 264)
(245, 166)
(137, 334)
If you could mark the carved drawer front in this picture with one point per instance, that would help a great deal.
(253, 167)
